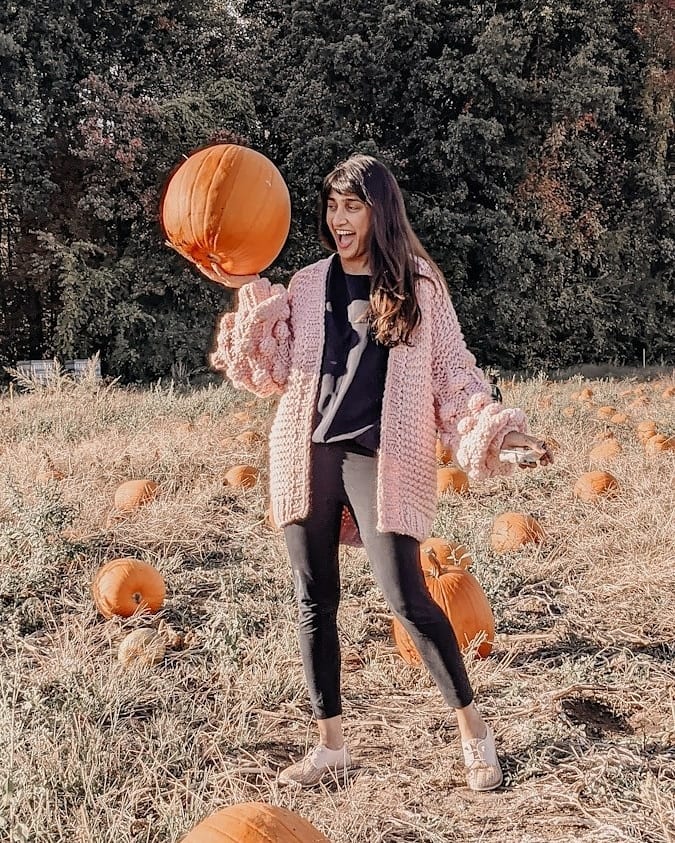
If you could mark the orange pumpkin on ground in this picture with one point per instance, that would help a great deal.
(646, 429)
(584, 394)
(605, 450)
(513, 530)
(619, 418)
(241, 476)
(446, 552)
(659, 442)
(668, 392)
(451, 478)
(248, 437)
(349, 532)
(50, 471)
(125, 586)
(134, 493)
(463, 601)
(595, 484)
(227, 209)
(255, 822)
(443, 455)
(605, 412)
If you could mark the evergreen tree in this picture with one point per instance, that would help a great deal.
(517, 133)
(101, 103)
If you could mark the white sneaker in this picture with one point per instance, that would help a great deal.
(482, 765)
(318, 765)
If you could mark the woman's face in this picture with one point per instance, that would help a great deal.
(348, 219)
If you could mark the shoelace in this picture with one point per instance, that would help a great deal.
(476, 749)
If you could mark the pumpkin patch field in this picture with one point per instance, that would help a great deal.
(150, 678)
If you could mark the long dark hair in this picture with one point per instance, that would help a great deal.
(394, 247)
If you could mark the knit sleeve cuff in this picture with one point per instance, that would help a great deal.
(253, 294)
(482, 432)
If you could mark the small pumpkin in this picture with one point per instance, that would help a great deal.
(443, 454)
(255, 822)
(126, 586)
(349, 532)
(619, 418)
(144, 645)
(659, 442)
(49, 471)
(241, 476)
(133, 494)
(595, 484)
(451, 478)
(569, 411)
(585, 394)
(463, 601)
(646, 429)
(605, 412)
(513, 530)
(606, 450)
(668, 392)
(227, 209)
(248, 437)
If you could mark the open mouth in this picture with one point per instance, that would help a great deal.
(344, 238)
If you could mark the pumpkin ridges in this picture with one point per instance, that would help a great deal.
(227, 209)
(457, 592)
(255, 822)
(124, 585)
(230, 178)
(594, 484)
(133, 494)
(512, 530)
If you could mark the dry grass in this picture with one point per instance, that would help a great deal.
(579, 687)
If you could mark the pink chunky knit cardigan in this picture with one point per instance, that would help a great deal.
(273, 344)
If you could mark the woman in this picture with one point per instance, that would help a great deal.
(365, 349)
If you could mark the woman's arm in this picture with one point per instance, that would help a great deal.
(252, 345)
(470, 423)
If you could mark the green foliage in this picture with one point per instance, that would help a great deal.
(520, 135)
(531, 142)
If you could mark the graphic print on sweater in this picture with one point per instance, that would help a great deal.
(353, 366)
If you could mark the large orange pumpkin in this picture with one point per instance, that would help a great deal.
(513, 530)
(226, 209)
(125, 586)
(255, 822)
(446, 552)
(463, 601)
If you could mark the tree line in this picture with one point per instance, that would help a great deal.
(533, 142)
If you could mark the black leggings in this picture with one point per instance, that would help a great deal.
(341, 477)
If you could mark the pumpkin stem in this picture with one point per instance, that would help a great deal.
(436, 567)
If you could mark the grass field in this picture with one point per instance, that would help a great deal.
(579, 687)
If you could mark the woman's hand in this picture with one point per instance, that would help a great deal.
(233, 282)
(514, 441)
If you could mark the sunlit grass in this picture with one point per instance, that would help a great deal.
(579, 686)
